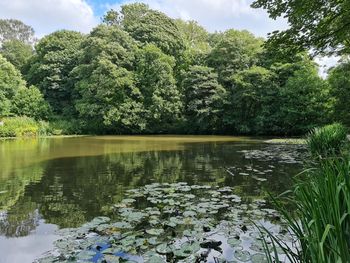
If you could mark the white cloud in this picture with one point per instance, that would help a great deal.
(325, 63)
(46, 16)
(217, 14)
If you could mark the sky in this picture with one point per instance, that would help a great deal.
(47, 16)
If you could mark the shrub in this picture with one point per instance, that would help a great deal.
(65, 127)
(44, 128)
(328, 140)
(19, 127)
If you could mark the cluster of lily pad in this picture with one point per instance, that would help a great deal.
(282, 153)
(173, 223)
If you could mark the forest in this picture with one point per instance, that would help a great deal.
(142, 72)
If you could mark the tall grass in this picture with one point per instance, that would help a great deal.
(28, 127)
(320, 222)
(18, 127)
(327, 141)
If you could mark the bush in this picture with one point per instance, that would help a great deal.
(19, 127)
(327, 141)
(65, 127)
(44, 128)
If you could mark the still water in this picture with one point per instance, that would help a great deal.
(54, 183)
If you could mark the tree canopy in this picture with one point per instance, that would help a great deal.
(140, 71)
(49, 69)
(13, 29)
(16, 98)
(320, 25)
(16, 52)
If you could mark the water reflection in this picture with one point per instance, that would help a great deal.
(70, 181)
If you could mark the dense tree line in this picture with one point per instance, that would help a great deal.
(140, 71)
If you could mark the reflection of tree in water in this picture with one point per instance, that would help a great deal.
(20, 221)
(74, 190)
(21, 217)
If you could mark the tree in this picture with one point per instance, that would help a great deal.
(12, 29)
(320, 25)
(112, 18)
(56, 55)
(196, 43)
(195, 37)
(235, 51)
(204, 98)
(30, 102)
(10, 82)
(149, 26)
(16, 52)
(339, 81)
(304, 101)
(16, 98)
(108, 100)
(161, 98)
(252, 101)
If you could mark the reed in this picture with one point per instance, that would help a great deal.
(320, 221)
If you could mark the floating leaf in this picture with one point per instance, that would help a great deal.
(242, 255)
(234, 241)
(154, 231)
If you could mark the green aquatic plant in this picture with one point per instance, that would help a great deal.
(327, 140)
(321, 223)
(171, 223)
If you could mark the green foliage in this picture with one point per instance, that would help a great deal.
(12, 29)
(108, 99)
(161, 98)
(204, 98)
(18, 127)
(150, 26)
(304, 101)
(143, 72)
(30, 102)
(195, 39)
(235, 50)
(328, 140)
(16, 52)
(58, 126)
(49, 69)
(321, 221)
(10, 82)
(339, 81)
(253, 99)
(111, 18)
(321, 25)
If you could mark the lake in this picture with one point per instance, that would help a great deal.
(53, 183)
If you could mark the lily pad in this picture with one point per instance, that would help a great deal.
(242, 255)
(154, 231)
(234, 242)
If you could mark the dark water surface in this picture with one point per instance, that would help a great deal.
(48, 184)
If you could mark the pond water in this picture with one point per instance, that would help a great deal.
(56, 183)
